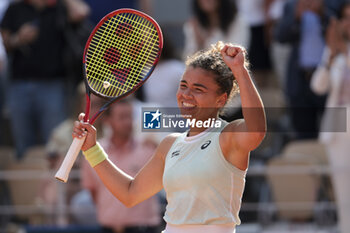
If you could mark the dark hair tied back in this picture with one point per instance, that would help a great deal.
(211, 60)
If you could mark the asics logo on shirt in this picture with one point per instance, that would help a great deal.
(206, 144)
(175, 153)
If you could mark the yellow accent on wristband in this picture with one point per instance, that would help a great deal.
(95, 155)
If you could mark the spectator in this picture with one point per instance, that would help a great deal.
(279, 52)
(212, 21)
(131, 156)
(333, 77)
(302, 26)
(35, 42)
(255, 13)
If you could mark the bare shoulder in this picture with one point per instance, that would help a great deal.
(237, 136)
(169, 139)
(234, 126)
(232, 129)
(233, 152)
(166, 144)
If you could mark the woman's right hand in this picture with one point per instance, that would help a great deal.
(82, 129)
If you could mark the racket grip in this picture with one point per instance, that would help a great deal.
(67, 164)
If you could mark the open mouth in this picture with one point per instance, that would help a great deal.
(188, 105)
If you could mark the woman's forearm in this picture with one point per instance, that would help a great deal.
(117, 181)
(129, 190)
(252, 106)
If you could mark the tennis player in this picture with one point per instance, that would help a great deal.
(202, 170)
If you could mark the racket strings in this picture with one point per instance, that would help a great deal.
(99, 83)
(123, 75)
(115, 72)
(135, 49)
(121, 53)
(100, 68)
(135, 62)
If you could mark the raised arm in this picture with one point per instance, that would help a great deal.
(129, 190)
(245, 134)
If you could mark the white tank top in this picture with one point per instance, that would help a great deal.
(199, 229)
(201, 186)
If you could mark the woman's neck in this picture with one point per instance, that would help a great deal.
(195, 131)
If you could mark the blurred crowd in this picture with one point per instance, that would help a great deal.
(298, 52)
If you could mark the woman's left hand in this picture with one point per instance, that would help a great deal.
(234, 57)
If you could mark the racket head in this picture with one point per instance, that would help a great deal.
(121, 53)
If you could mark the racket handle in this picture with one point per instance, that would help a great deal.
(67, 164)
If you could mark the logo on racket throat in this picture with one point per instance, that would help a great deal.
(152, 119)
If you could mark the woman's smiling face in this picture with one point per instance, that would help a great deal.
(198, 94)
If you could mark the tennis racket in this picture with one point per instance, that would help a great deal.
(119, 56)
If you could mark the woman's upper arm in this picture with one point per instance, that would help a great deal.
(241, 138)
(236, 143)
(149, 180)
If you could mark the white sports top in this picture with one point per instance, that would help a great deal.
(202, 188)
